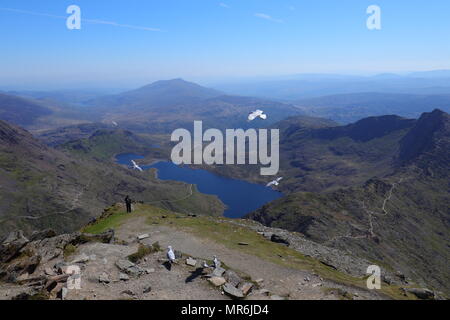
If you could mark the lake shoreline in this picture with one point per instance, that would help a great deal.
(239, 196)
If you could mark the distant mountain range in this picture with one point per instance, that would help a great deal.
(347, 108)
(160, 107)
(166, 105)
(304, 86)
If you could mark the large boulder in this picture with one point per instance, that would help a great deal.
(232, 278)
(105, 237)
(51, 248)
(11, 246)
(279, 239)
(422, 293)
(129, 267)
(232, 291)
(41, 235)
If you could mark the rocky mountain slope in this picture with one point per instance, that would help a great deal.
(400, 219)
(318, 155)
(122, 256)
(21, 111)
(41, 187)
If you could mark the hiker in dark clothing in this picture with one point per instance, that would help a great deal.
(128, 204)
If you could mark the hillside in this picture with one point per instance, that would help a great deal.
(164, 106)
(400, 219)
(42, 187)
(317, 155)
(63, 135)
(309, 86)
(21, 111)
(122, 256)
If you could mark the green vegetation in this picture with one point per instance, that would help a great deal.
(143, 251)
(69, 250)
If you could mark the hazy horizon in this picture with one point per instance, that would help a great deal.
(123, 45)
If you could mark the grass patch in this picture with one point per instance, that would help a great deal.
(143, 251)
(69, 250)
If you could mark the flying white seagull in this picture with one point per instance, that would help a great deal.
(257, 114)
(114, 124)
(274, 182)
(135, 166)
(170, 255)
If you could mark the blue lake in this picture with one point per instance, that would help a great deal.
(239, 196)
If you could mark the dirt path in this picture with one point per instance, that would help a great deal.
(278, 280)
(370, 215)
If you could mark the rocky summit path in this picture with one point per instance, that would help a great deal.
(43, 266)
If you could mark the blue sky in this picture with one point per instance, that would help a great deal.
(206, 40)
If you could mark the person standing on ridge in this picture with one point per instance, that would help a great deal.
(128, 204)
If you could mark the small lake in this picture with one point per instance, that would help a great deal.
(239, 196)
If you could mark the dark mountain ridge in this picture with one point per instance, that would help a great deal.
(400, 219)
(21, 111)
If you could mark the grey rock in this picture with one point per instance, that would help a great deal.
(124, 265)
(49, 271)
(104, 278)
(147, 289)
(217, 281)
(218, 272)
(232, 291)
(128, 292)
(143, 236)
(267, 235)
(41, 235)
(129, 267)
(12, 245)
(123, 276)
(422, 293)
(279, 239)
(83, 258)
(232, 278)
(246, 287)
(191, 262)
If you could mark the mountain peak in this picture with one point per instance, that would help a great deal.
(431, 130)
(161, 93)
(368, 128)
